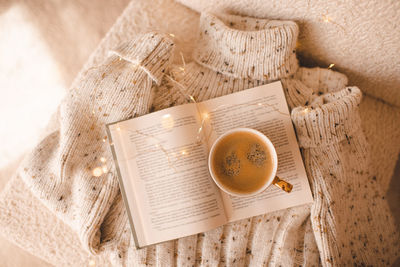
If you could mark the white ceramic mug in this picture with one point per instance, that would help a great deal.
(272, 178)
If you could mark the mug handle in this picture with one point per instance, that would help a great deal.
(285, 186)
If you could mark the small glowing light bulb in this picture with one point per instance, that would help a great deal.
(172, 35)
(92, 263)
(103, 159)
(97, 172)
(331, 66)
(205, 115)
(183, 152)
(259, 104)
(118, 129)
(306, 110)
(167, 121)
(325, 18)
(192, 98)
(104, 169)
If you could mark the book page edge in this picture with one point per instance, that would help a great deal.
(121, 187)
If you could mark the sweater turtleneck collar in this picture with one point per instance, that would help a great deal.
(244, 47)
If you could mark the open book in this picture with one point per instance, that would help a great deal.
(161, 160)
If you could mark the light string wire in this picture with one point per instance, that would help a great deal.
(325, 18)
(98, 171)
(204, 115)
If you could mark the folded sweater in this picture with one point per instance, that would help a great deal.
(233, 53)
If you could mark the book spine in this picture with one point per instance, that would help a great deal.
(122, 189)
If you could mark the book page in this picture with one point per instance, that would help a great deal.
(265, 109)
(165, 177)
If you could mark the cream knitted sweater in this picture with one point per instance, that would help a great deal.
(233, 53)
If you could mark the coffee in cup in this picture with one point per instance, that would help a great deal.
(243, 162)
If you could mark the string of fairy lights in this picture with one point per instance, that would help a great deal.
(167, 120)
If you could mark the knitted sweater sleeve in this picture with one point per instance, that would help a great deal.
(349, 216)
(71, 169)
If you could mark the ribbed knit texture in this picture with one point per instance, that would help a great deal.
(59, 170)
(293, 236)
(350, 218)
(307, 235)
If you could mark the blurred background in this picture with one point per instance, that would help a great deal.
(43, 45)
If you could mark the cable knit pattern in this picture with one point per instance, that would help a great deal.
(59, 170)
(233, 53)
